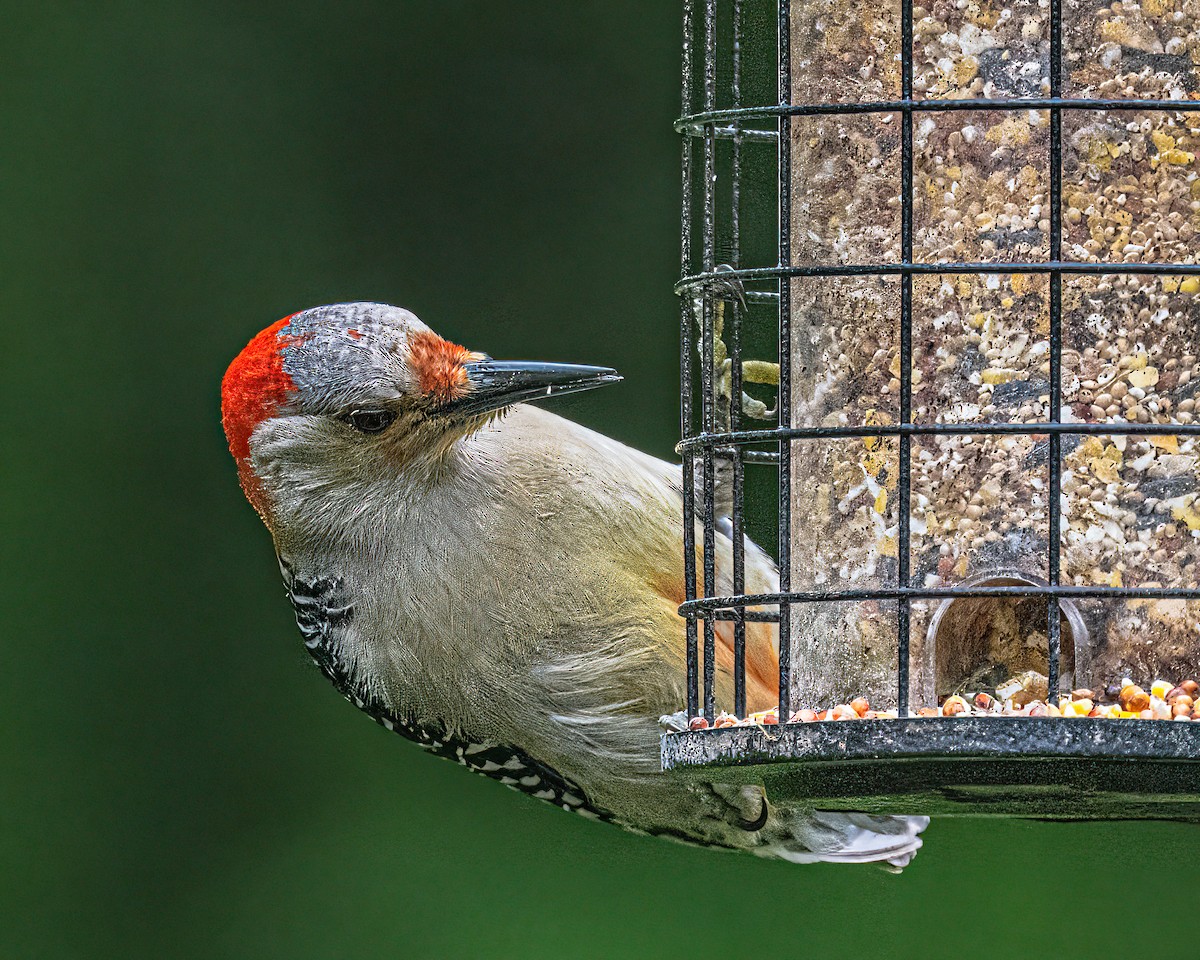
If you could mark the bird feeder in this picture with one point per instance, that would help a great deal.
(941, 348)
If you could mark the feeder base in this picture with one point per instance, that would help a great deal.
(1049, 768)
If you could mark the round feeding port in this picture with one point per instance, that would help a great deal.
(988, 643)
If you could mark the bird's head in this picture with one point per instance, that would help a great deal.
(346, 391)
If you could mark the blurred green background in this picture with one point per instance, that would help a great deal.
(176, 780)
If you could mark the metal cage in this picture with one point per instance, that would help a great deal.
(737, 267)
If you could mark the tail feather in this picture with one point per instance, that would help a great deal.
(808, 836)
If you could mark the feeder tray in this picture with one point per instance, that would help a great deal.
(981, 288)
(976, 766)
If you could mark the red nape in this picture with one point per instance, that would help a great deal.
(438, 365)
(253, 388)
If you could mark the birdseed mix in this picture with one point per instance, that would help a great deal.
(1026, 697)
(981, 192)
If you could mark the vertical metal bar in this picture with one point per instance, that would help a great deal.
(1054, 545)
(903, 507)
(784, 403)
(735, 406)
(735, 204)
(686, 411)
(707, 347)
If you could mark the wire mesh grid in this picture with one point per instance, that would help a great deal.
(704, 291)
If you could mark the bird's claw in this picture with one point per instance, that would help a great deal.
(730, 289)
(732, 285)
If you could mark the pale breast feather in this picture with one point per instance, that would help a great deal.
(325, 611)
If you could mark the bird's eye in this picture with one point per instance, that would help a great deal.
(370, 421)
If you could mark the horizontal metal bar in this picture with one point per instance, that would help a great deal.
(858, 432)
(750, 274)
(746, 293)
(746, 456)
(694, 124)
(748, 616)
(697, 609)
(748, 134)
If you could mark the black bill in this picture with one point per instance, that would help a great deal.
(500, 383)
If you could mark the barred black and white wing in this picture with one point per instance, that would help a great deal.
(325, 612)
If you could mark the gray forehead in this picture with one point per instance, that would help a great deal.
(347, 352)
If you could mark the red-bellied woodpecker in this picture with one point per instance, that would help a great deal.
(498, 583)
